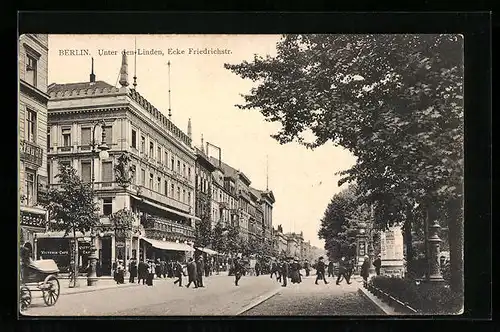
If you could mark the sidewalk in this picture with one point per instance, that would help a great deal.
(102, 284)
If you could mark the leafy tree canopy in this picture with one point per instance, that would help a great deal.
(71, 204)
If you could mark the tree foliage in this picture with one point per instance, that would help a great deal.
(71, 205)
(218, 238)
(394, 101)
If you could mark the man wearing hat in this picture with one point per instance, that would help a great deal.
(320, 271)
(377, 263)
(343, 271)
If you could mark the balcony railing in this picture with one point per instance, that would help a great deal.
(32, 153)
(168, 226)
(156, 196)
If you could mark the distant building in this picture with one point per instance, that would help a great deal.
(32, 112)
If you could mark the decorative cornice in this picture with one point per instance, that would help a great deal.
(33, 91)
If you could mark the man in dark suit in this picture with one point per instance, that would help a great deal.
(142, 271)
(377, 263)
(200, 269)
(238, 270)
(284, 272)
(192, 273)
(343, 271)
(320, 271)
(178, 272)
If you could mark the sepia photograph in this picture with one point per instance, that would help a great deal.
(241, 175)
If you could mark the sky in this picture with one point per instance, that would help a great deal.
(303, 181)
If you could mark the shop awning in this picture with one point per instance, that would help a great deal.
(167, 245)
(32, 209)
(208, 251)
(186, 215)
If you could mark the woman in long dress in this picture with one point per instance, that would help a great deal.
(295, 272)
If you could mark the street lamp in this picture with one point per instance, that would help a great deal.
(100, 150)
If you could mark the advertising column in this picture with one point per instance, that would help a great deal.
(391, 252)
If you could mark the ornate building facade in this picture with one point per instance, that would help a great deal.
(32, 117)
(203, 185)
(161, 189)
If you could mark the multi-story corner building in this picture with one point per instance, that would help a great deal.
(230, 187)
(32, 108)
(161, 194)
(220, 199)
(203, 185)
(256, 215)
(267, 201)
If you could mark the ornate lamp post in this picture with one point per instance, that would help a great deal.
(101, 151)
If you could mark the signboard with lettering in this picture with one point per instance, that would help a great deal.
(362, 248)
(32, 220)
(57, 249)
(83, 248)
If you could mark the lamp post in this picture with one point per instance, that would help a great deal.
(101, 150)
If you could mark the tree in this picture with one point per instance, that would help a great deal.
(394, 101)
(218, 238)
(203, 232)
(72, 208)
(233, 240)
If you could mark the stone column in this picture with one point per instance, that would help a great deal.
(434, 251)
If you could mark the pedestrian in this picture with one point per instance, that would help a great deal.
(320, 271)
(284, 272)
(158, 268)
(238, 270)
(163, 268)
(377, 263)
(178, 272)
(142, 272)
(275, 270)
(200, 268)
(307, 267)
(295, 272)
(151, 272)
(132, 268)
(113, 268)
(192, 273)
(343, 271)
(364, 269)
(170, 268)
(120, 272)
(257, 268)
(330, 269)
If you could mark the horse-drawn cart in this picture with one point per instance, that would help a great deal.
(39, 276)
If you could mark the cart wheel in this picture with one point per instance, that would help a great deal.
(51, 290)
(24, 298)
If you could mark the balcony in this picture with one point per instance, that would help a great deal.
(168, 226)
(31, 152)
(158, 197)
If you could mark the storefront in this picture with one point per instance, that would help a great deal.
(56, 246)
(165, 250)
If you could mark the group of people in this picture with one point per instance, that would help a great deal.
(285, 269)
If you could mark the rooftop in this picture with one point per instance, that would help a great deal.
(81, 88)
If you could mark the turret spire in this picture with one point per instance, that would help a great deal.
(135, 64)
(169, 105)
(189, 128)
(202, 146)
(124, 71)
(92, 75)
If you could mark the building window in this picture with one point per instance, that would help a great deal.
(173, 163)
(166, 188)
(66, 133)
(31, 70)
(30, 187)
(178, 166)
(31, 123)
(151, 181)
(159, 185)
(189, 173)
(178, 193)
(49, 172)
(85, 139)
(143, 144)
(134, 139)
(107, 171)
(86, 171)
(48, 142)
(166, 158)
(66, 163)
(151, 150)
(184, 195)
(143, 177)
(158, 154)
(172, 190)
(108, 132)
(184, 170)
(107, 206)
(189, 198)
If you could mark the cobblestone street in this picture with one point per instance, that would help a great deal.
(219, 297)
(308, 299)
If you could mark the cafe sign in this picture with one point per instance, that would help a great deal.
(84, 248)
(32, 220)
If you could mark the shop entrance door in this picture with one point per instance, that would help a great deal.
(106, 256)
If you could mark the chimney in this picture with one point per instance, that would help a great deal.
(124, 70)
(92, 75)
(189, 133)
